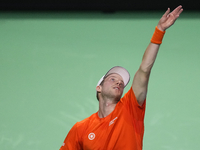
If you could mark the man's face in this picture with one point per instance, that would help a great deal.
(113, 86)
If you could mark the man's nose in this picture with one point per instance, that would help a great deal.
(118, 82)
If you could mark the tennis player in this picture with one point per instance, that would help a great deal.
(119, 122)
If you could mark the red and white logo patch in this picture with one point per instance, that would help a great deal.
(91, 136)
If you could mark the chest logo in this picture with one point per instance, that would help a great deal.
(112, 121)
(91, 136)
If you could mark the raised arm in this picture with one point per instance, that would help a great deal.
(141, 78)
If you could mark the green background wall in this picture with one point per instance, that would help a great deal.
(50, 64)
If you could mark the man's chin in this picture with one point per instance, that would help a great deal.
(118, 97)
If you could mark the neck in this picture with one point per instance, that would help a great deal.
(106, 107)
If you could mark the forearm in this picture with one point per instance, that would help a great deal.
(149, 57)
(150, 54)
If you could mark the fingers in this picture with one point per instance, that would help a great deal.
(180, 11)
(167, 12)
(177, 11)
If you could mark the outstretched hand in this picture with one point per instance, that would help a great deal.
(168, 18)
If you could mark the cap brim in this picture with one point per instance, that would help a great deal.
(119, 70)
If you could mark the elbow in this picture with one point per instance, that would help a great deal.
(146, 69)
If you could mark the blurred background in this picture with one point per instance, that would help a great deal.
(53, 53)
(97, 5)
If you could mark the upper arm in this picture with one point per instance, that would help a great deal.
(140, 84)
(141, 78)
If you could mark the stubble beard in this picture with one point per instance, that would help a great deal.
(113, 96)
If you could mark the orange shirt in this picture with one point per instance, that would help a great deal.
(122, 129)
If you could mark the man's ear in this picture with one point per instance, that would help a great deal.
(98, 88)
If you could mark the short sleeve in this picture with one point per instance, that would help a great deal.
(131, 104)
(71, 141)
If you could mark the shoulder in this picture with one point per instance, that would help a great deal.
(83, 123)
(82, 126)
(129, 98)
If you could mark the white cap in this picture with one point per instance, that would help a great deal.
(119, 70)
